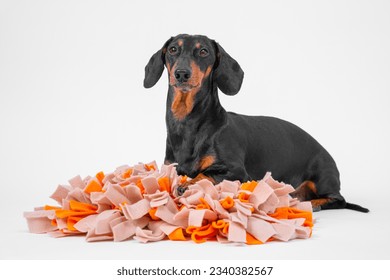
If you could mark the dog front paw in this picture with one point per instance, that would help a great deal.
(181, 189)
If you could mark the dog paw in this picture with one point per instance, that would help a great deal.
(181, 189)
(316, 208)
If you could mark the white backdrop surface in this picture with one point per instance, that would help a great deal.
(72, 102)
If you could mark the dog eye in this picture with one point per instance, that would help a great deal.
(203, 52)
(172, 50)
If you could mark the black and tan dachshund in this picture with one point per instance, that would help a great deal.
(208, 142)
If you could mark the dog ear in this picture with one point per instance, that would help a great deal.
(227, 74)
(155, 66)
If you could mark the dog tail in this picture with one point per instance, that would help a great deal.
(356, 207)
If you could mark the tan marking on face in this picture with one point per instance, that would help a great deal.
(208, 71)
(206, 162)
(168, 68)
(196, 76)
(197, 45)
(171, 72)
(183, 102)
(180, 43)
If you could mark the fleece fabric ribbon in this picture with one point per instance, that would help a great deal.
(140, 202)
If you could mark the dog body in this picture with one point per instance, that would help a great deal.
(208, 142)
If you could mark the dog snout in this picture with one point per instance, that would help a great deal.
(182, 75)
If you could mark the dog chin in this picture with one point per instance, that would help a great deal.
(184, 88)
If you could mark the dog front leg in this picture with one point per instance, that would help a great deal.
(238, 173)
(169, 157)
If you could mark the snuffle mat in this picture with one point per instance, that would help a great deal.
(140, 202)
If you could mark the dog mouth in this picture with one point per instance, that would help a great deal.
(185, 87)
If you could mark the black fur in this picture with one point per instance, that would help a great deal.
(244, 147)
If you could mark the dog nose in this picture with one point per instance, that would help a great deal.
(182, 75)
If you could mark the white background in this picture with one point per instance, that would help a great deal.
(72, 102)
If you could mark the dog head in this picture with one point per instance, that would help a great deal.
(190, 60)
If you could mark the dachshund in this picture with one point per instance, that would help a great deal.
(210, 143)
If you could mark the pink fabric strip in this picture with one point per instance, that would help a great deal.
(136, 210)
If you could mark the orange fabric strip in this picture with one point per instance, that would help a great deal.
(164, 184)
(203, 204)
(93, 186)
(127, 173)
(249, 186)
(152, 213)
(243, 197)
(100, 176)
(149, 167)
(227, 203)
(48, 207)
(200, 236)
(220, 224)
(177, 234)
(251, 240)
